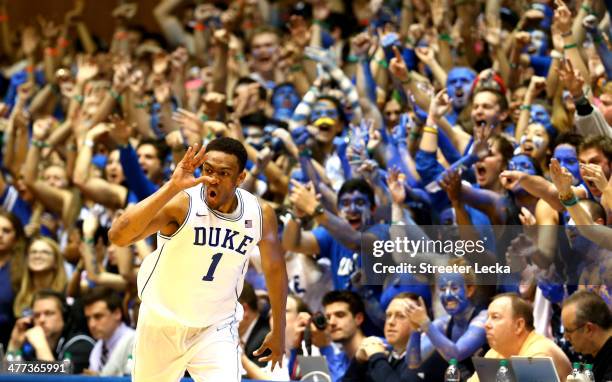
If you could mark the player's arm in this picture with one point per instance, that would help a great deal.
(138, 221)
(275, 271)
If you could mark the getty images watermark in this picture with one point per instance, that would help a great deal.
(421, 253)
(410, 248)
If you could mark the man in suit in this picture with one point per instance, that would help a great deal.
(114, 338)
(254, 325)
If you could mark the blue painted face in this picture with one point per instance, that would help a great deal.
(324, 109)
(540, 115)
(453, 294)
(539, 44)
(285, 100)
(458, 86)
(355, 208)
(522, 163)
(567, 157)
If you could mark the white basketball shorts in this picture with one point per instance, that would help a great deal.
(164, 349)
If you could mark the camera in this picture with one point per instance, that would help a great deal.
(319, 321)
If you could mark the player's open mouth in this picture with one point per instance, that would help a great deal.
(451, 305)
(212, 194)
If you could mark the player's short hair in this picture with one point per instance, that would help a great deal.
(106, 294)
(520, 308)
(248, 296)
(357, 184)
(229, 146)
(590, 307)
(352, 299)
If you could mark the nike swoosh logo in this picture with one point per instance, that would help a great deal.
(200, 215)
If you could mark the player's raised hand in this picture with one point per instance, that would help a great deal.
(183, 176)
(275, 342)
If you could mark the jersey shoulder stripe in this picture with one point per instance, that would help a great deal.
(161, 251)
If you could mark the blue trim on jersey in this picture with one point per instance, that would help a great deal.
(220, 215)
(182, 225)
(155, 266)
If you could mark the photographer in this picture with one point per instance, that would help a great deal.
(47, 335)
(344, 315)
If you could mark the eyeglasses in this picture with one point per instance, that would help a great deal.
(570, 331)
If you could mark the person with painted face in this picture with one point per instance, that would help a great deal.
(564, 150)
(326, 121)
(264, 54)
(338, 237)
(536, 143)
(527, 165)
(537, 50)
(459, 334)
(459, 89)
(284, 100)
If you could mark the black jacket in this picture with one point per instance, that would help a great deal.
(381, 368)
(602, 366)
(256, 338)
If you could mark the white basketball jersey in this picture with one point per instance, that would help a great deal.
(196, 275)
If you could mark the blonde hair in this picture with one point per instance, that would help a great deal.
(58, 283)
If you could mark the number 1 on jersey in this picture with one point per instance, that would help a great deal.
(211, 270)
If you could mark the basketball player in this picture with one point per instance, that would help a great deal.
(190, 285)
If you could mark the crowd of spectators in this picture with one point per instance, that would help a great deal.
(360, 118)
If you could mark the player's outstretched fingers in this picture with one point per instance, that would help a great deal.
(274, 348)
(199, 156)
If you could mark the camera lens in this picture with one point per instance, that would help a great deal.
(319, 321)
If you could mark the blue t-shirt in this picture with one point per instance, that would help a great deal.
(6, 296)
(344, 262)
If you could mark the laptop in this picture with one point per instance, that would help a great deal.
(486, 368)
(530, 369)
(313, 369)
